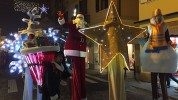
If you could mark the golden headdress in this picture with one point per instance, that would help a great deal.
(157, 12)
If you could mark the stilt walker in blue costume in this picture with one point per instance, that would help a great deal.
(158, 55)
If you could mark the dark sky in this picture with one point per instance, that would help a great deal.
(10, 20)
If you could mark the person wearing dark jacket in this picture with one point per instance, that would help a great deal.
(54, 72)
(170, 76)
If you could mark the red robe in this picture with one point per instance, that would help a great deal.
(75, 47)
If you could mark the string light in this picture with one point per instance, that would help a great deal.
(24, 6)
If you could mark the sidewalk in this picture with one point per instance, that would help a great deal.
(135, 90)
(138, 90)
(146, 87)
(11, 86)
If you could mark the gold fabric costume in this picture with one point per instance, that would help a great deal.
(116, 78)
(113, 38)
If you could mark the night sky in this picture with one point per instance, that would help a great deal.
(10, 20)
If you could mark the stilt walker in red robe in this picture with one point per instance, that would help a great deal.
(75, 48)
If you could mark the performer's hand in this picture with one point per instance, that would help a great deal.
(145, 35)
(173, 45)
(104, 25)
(60, 15)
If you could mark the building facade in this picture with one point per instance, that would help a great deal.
(170, 13)
(95, 13)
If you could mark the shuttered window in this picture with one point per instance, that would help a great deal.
(101, 4)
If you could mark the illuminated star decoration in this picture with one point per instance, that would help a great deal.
(43, 9)
(112, 37)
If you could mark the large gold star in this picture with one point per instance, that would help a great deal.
(112, 37)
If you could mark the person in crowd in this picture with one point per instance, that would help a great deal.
(170, 76)
(55, 71)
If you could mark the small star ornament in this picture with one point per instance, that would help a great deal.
(44, 9)
(112, 37)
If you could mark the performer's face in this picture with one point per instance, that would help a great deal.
(59, 58)
(80, 23)
(158, 19)
(79, 20)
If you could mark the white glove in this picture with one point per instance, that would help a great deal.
(55, 97)
(63, 83)
(84, 98)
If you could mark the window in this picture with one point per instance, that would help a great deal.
(101, 4)
(83, 6)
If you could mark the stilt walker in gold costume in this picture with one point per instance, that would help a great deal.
(113, 38)
(158, 55)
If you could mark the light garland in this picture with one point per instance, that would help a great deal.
(24, 6)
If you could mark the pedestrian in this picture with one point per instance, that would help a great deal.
(66, 74)
(52, 77)
(170, 76)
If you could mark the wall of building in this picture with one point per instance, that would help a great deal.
(95, 17)
(129, 9)
(167, 6)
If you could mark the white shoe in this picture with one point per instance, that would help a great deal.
(55, 97)
(176, 88)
